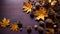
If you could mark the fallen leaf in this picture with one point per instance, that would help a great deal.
(40, 14)
(27, 7)
(5, 22)
(14, 27)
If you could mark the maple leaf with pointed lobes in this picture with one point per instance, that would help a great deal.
(40, 14)
(27, 7)
(14, 27)
(5, 22)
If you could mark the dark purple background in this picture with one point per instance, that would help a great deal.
(13, 9)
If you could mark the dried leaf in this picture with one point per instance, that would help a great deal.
(27, 7)
(5, 22)
(51, 30)
(41, 13)
(14, 27)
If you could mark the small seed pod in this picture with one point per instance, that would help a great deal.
(36, 27)
(41, 23)
(34, 8)
(32, 15)
(29, 29)
(40, 30)
(49, 23)
(19, 24)
(21, 29)
(54, 26)
(49, 20)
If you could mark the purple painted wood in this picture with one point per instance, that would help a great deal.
(13, 9)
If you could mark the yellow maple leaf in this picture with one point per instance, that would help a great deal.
(5, 22)
(14, 27)
(50, 30)
(40, 14)
(27, 7)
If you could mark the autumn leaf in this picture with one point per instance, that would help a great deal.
(14, 27)
(27, 7)
(53, 2)
(0, 23)
(5, 22)
(40, 14)
(50, 30)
